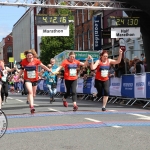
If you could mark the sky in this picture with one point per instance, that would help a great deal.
(8, 17)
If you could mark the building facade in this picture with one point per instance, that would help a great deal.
(6, 48)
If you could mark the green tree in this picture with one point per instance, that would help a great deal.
(51, 46)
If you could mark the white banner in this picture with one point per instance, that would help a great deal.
(93, 89)
(140, 86)
(58, 85)
(53, 30)
(115, 86)
(80, 85)
(132, 32)
(41, 85)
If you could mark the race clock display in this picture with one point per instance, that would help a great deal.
(51, 20)
(125, 22)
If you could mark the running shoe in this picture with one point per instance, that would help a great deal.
(75, 108)
(2, 103)
(51, 101)
(65, 103)
(32, 110)
(103, 109)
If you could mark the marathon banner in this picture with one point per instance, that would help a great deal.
(127, 86)
(80, 85)
(140, 86)
(147, 85)
(40, 85)
(130, 86)
(62, 86)
(93, 89)
(115, 86)
(58, 85)
(87, 84)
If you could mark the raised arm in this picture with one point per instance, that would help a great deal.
(112, 61)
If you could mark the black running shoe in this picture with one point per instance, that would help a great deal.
(103, 109)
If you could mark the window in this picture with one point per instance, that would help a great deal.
(88, 36)
(77, 17)
(83, 41)
(89, 14)
(78, 42)
(82, 16)
(9, 51)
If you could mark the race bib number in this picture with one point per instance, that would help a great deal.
(73, 72)
(104, 73)
(50, 80)
(31, 74)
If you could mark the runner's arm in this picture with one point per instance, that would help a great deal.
(44, 67)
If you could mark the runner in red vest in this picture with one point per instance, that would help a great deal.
(102, 74)
(29, 66)
(70, 66)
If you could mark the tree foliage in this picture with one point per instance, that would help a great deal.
(51, 46)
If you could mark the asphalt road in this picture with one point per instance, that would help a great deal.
(54, 127)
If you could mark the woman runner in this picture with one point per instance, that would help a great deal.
(102, 74)
(70, 66)
(29, 66)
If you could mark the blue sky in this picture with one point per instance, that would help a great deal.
(8, 17)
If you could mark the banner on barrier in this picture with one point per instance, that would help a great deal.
(115, 87)
(62, 86)
(58, 85)
(147, 85)
(139, 86)
(127, 86)
(40, 85)
(93, 89)
(87, 86)
(79, 85)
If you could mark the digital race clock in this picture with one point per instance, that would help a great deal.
(125, 22)
(51, 20)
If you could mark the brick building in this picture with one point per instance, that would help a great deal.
(7, 48)
(84, 37)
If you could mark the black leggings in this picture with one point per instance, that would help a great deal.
(102, 87)
(4, 90)
(71, 84)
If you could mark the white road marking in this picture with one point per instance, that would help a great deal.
(35, 104)
(19, 100)
(9, 97)
(54, 110)
(92, 120)
(101, 121)
(112, 110)
(143, 117)
(116, 126)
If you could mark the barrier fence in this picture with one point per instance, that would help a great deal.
(131, 88)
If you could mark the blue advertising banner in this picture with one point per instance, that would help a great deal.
(87, 85)
(147, 85)
(97, 32)
(45, 88)
(127, 86)
(62, 86)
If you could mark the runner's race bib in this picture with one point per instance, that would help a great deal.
(72, 69)
(73, 72)
(51, 80)
(104, 73)
(31, 71)
(31, 74)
